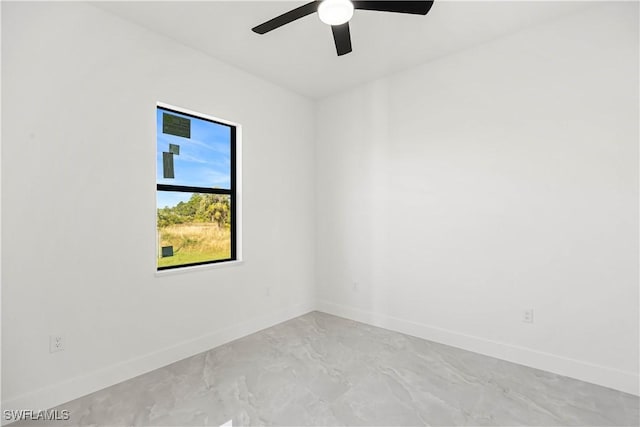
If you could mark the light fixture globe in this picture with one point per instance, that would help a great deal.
(335, 12)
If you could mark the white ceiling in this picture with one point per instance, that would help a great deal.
(301, 56)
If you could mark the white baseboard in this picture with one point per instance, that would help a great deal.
(74, 388)
(627, 382)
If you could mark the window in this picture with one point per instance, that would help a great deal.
(196, 189)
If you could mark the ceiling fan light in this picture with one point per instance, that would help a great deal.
(335, 12)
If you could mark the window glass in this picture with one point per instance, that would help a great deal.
(195, 183)
(201, 160)
(193, 228)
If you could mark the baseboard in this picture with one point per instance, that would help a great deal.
(627, 382)
(74, 388)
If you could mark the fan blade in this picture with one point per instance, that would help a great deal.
(413, 7)
(285, 18)
(342, 38)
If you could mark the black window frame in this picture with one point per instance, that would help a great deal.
(231, 192)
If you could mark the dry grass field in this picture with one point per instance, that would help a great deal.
(195, 242)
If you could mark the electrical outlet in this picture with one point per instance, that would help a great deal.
(267, 291)
(56, 343)
(354, 286)
(527, 315)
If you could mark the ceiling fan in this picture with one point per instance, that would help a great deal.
(337, 13)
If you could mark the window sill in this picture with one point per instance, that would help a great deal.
(181, 270)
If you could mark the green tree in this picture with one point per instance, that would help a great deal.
(199, 208)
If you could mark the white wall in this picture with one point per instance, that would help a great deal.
(456, 194)
(80, 88)
(1, 406)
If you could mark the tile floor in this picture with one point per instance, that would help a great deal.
(323, 370)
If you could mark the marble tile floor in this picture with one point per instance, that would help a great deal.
(322, 370)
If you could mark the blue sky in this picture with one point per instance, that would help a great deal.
(204, 159)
